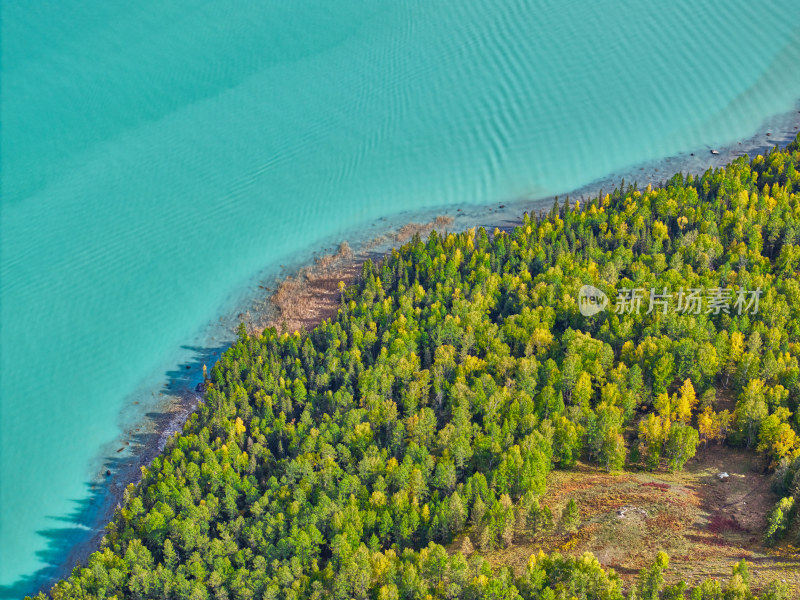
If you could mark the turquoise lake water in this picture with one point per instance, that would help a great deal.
(157, 156)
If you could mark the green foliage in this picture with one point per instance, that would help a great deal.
(779, 519)
(571, 517)
(651, 580)
(338, 463)
(681, 445)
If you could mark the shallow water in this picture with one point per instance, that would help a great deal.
(157, 156)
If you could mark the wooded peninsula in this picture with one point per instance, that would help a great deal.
(393, 450)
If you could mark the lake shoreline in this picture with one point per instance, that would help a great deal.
(310, 294)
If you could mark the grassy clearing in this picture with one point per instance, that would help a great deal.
(704, 524)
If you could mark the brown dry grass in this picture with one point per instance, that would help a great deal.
(704, 524)
(303, 300)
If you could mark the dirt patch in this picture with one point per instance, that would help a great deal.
(705, 525)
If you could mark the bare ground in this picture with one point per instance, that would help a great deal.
(704, 524)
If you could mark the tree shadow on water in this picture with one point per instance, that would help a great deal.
(68, 533)
(76, 535)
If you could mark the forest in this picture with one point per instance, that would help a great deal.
(460, 370)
